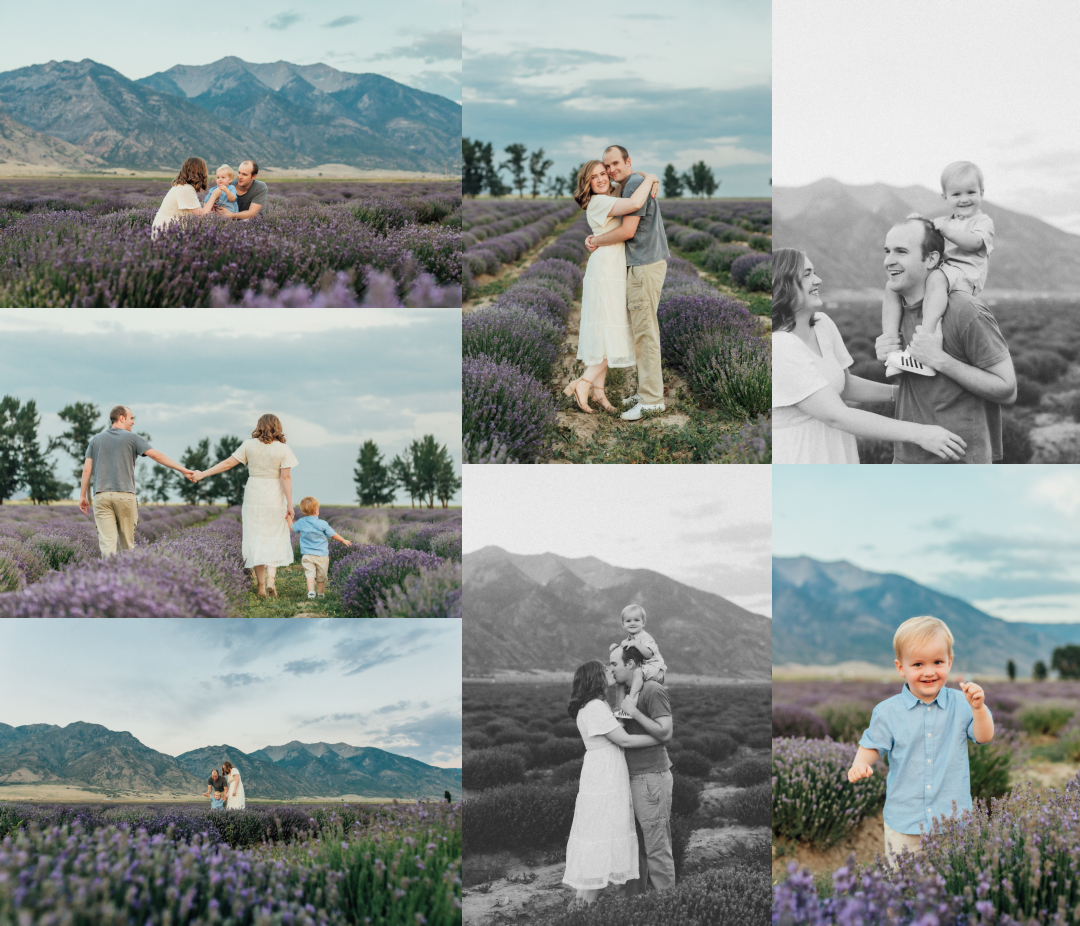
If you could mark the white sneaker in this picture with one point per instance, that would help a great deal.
(632, 399)
(638, 411)
(903, 362)
(311, 594)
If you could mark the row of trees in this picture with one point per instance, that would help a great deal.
(1065, 661)
(23, 463)
(531, 169)
(425, 471)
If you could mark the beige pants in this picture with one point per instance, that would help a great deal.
(651, 794)
(895, 842)
(116, 514)
(643, 285)
(315, 566)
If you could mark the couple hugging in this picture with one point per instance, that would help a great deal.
(626, 773)
(225, 789)
(949, 360)
(235, 195)
(623, 279)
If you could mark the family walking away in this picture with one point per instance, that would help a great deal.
(623, 278)
(924, 731)
(225, 789)
(626, 775)
(236, 195)
(949, 362)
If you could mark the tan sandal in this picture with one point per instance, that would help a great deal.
(271, 590)
(601, 397)
(572, 389)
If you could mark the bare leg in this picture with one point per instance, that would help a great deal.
(271, 576)
(260, 577)
(589, 896)
(935, 300)
(892, 308)
(322, 588)
(311, 583)
(636, 685)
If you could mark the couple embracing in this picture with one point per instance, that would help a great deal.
(225, 789)
(623, 279)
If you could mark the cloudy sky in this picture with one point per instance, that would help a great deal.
(395, 685)
(676, 82)
(1001, 537)
(873, 92)
(335, 378)
(707, 526)
(417, 44)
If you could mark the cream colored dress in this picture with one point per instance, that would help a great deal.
(235, 802)
(266, 539)
(605, 320)
(178, 197)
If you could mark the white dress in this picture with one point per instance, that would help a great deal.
(266, 540)
(605, 320)
(235, 802)
(178, 197)
(603, 846)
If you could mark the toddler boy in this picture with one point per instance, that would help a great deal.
(314, 545)
(224, 194)
(924, 730)
(633, 621)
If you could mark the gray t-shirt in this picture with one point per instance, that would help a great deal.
(653, 703)
(256, 194)
(217, 784)
(114, 453)
(649, 243)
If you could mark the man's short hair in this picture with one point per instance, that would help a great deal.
(918, 630)
(632, 652)
(117, 413)
(932, 239)
(309, 504)
(254, 166)
(625, 154)
(958, 169)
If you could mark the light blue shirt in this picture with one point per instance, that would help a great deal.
(222, 199)
(314, 536)
(928, 761)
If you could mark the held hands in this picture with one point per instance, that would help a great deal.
(590, 243)
(976, 697)
(193, 475)
(858, 771)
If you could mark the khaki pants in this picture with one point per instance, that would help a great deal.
(116, 514)
(315, 566)
(643, 285)
(895, 842)
(652, 808)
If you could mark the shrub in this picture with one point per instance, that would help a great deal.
(759, 280)
(563, 271)
(720, 257)
(696, 241)
(1044, 719)
(434, 593)
(752, 443)
(693, 763)
(501, 403)
(1043, 366)
(734, 234)
(67, 544)
(475, 739)
(717, 746)
(847, 722)
(555, 750)
(1016, 445)
(989, 766)
(761, 243)
(486, 768)
(735, 374)
(567, 772)
(753, 806)
(685, 320)
(812, 800)
(361, 583)
(520, 816)
(447, 545)
(741, 266)
(752, 770)
(545, 298)
(514, 334)
(29, 561)
(1028, 392)
(685, 795)
(12, 578)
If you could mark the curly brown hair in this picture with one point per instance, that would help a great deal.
(590, 683)
(269, 430)
(193, 172)
(788, 265)
(584, 192)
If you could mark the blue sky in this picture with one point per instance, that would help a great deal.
(676, 82)
(417, 44)
(335, 378)
(1002, 537)
(395, 685)
(707, 526)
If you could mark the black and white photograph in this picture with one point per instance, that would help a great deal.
(927, 233)
(616, 655)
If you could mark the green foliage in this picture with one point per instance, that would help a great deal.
(760, 278)
(1066, 661)
(498, 765)
(538, 167)
(374, 481)
(847, 721)
(516, 164)
(83, 420)
(693, 763)
(685, 795)
(989, 765)
(700, 181)
(1045, 719)
(519, 816)
(673, 184)
(753, 770)
(753, 806)
(228, 485)
(1038, 671)
(1010, 668)
(761, 243)
(195, 493)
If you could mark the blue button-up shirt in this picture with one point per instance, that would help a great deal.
(928, 761)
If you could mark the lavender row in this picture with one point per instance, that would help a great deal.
(493, 217)
(488, 255)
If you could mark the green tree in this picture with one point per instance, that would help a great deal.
(556, 186)
(492, 180)
(37, 475)
(1010, 668)
(516, 165)
(404, 478)
(447, 481)
(229, 485)
(84, 421)
(699, 180)
(571, 179)
(1066, 661)
(159, 486)
(374, 482)
(673, 184)
(472, 174)
(425, 465)
(1038, 671)
(538, 167)
(9, 448)
(195, 493)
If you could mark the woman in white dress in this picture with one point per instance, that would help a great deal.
(268, 508)
(183, 195)
(812, 382)
(605, 339)
(603, 846)
(235, 800)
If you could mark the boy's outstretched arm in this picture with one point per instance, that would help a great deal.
(863, 766)
(347, 543)
(984, 723)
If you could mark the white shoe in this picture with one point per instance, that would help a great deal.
(311, 595)
(638, 411)
(632, 399)
(903, 362)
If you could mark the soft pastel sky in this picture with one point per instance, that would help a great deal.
(179, 685)
(674, 82)
(335, 378)
(707, 526)
(416, 43)
(1001, 537)
(875, 92)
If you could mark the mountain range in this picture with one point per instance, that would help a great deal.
(91, 755)
(281, 114)
(828, 613)
(842, 228)
(552, 612)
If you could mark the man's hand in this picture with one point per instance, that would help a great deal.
(858, 771)
(221, 210)
(84, 504)
(885, 345)
(629, 703)
(976, 697)
(589, 245)
(926, 348)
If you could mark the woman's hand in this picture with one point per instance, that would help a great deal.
(942, 443)
(655, 189)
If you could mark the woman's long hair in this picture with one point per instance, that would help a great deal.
(193, 172)
(590, 683)
(788, 266)
(269, 430)
(584, 192)
(226, 767)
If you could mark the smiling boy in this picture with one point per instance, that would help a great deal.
(924, 730)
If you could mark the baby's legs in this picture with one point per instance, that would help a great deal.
(892, 307)
(935, 300)
(639, 680)
(322, 588)
(310, 583)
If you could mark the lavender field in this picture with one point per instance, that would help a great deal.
(523, 269)
(187, 562)
(330, 864)
(87, 243)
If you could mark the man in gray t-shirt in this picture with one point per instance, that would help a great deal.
(250, 193)
(646, 266)
(110, 458)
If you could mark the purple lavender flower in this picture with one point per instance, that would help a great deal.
(514, 334)
(500, 402)
(361, 585)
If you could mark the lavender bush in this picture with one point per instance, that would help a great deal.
(760, 278)
(485, 451)
(562, 271)
(501, 403)
(514, 334)
(685, 319)
(434, 593)
(742, 266)
(736, 374)
(791, 720)
(751, 444)
(361, 583)
(543, 296)
(720, 257)
(12, 578)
